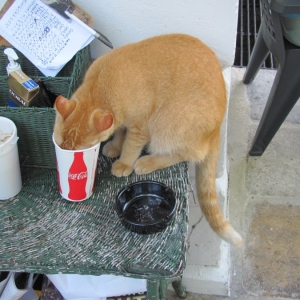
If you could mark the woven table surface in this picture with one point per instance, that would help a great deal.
(43, 233)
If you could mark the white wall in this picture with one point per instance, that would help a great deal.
(213, 21)
(126, 21)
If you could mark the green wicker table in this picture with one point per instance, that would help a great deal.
(43, 233)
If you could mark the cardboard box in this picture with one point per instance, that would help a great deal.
(23, 91)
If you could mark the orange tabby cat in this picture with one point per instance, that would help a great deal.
(165, 92)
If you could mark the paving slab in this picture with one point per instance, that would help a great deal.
(272, 265)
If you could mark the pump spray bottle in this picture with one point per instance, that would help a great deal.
(12, 66)
(23, 91)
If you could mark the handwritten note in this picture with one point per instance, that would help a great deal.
(47, 39)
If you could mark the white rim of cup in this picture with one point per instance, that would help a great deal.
(73, 151)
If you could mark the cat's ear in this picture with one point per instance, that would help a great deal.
(103, 121)
(64, 106)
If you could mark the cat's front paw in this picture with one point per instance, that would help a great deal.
(119, 169)
(110, 150)
(144, 165)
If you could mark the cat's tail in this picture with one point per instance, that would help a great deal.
(208, 199)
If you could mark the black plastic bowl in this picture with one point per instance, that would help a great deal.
(146, 206)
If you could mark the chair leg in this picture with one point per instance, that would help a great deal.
(158, 288)
(153, 289)
(179, 288)
(284, 94)
(258, 56)
(163, 289)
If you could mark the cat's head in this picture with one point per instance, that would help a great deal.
(79, 125)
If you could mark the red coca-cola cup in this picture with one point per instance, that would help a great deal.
(76, 171)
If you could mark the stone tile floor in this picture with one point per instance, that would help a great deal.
(264, 199)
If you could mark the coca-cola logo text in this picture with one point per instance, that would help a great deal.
(78, 176)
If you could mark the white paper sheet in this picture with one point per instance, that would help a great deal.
(47, 39)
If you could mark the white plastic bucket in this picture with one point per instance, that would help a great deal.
(10, 173)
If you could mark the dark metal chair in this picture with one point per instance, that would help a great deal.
(286, 87)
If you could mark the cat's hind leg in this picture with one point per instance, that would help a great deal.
(113, 148)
